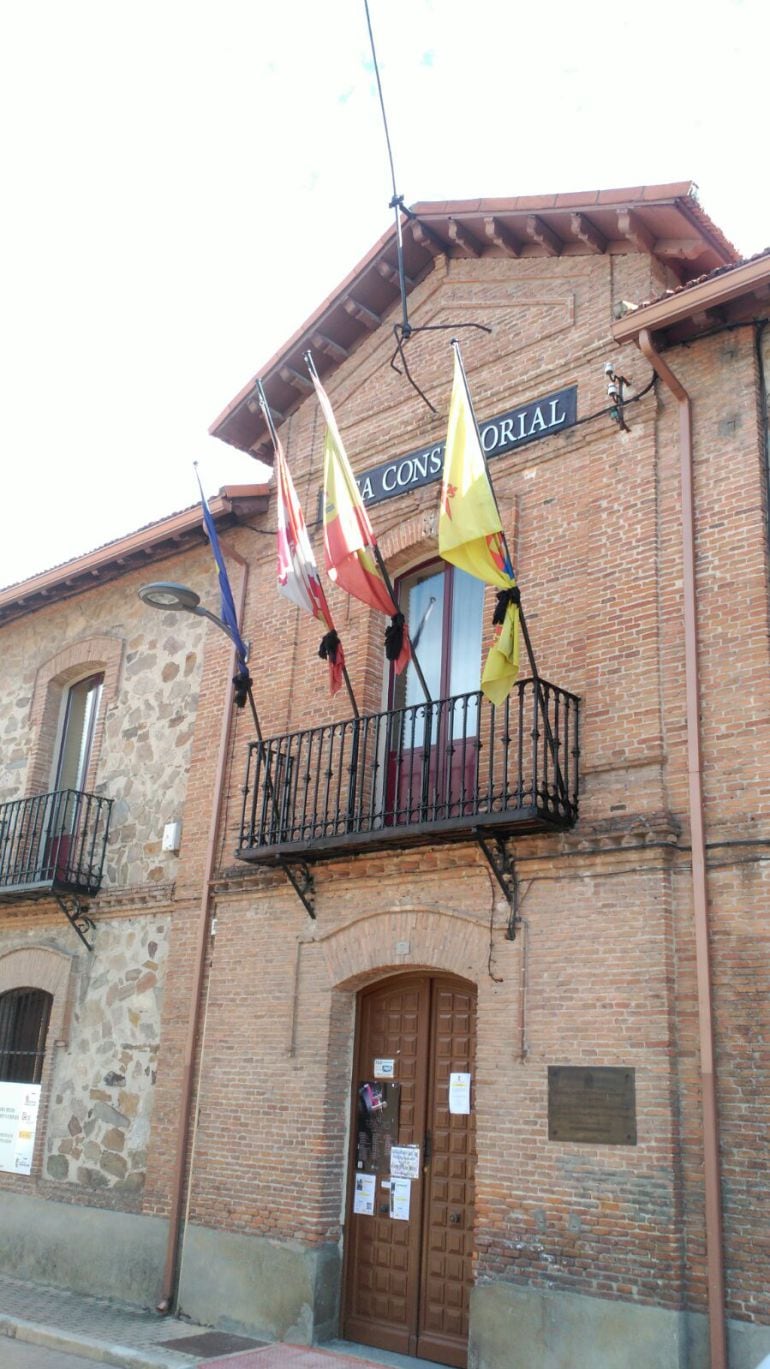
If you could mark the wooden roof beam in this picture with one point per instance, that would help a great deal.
(295, 378)
(427, 238)
(390, 274)
(540, 233)
(633, 230)
(684, 249)
(359, 311)
(587, 232)
(498, 234)
(323, 343)
(464, 239)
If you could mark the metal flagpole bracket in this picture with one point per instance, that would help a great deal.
(77, 916)
(503, 868)
(301, 878)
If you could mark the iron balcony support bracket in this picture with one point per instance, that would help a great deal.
(76, 915)
(503, 868)
(300, 876)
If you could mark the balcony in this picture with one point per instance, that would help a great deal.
(451, 770)
(53, 844)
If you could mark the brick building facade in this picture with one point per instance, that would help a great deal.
(574, 969)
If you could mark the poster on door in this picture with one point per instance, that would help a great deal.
(19, 1105)
(377, 1124)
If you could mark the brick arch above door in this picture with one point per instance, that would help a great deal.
(364, 950)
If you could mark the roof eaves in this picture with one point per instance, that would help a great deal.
(151, 542)
(719, 287)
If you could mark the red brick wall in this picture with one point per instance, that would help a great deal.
(608, 936)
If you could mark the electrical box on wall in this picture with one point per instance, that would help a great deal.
(172, 836)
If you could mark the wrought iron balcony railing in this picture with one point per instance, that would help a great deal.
(437, 771)
(53, 844)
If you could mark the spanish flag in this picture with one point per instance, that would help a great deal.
(470, 534)
(298, 577)
(349, 537)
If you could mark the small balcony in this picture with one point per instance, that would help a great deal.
(450, 770)
(53, 844)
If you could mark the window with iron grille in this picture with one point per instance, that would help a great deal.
(24, 1015)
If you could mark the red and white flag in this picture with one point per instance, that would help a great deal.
(298, 577)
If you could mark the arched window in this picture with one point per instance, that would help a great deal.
(24, 1016)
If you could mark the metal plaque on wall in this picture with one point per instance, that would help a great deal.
(592, 1104)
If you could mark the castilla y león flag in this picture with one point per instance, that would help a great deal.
(349, 538)
(470, 534)
(298, 577)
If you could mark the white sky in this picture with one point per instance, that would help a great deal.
(183, 183)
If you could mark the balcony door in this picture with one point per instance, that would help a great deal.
(434, 750)
(81, 707)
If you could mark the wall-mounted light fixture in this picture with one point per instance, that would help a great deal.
(168, 596)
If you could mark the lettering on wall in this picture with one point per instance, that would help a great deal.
(516, 428)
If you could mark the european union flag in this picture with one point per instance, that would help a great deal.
(227, 611)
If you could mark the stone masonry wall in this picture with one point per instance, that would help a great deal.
(101, 1054)
(145, 726)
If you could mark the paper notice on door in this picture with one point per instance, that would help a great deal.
(384, 1069)
(405, 1162)
(364, 1194)
(400, 1194)
(459, 1093)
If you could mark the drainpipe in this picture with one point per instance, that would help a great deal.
(711, 1172)
(170, 1270)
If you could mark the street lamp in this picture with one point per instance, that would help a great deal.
(168, 596)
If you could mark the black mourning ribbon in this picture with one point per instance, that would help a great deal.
(394, 637)
(242, 683)
(329, 647)
(505, 597)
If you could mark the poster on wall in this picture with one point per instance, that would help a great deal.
(18, 1120)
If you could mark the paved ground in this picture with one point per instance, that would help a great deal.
(47, 1328)
(17, 1354)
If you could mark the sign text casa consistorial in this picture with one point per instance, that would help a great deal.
(515, 428)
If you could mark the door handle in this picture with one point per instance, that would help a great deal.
(455, 1218)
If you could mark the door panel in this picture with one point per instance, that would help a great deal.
(407, 1283)
(448, 1225)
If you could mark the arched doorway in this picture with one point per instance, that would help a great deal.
(409, 1243)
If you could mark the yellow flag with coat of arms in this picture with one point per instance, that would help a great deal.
(470, 533)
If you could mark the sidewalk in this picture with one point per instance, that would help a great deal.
(128, 1337)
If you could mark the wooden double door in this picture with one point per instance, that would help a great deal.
(408, 1252)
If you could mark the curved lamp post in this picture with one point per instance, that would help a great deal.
(169, 596)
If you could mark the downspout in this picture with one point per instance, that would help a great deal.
(711, 1169)
(170, 1271)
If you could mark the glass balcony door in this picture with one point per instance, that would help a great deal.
(434, 752)
(80, 712)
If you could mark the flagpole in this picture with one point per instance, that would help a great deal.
(522, 619)
(375, 550)
(274, 436)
